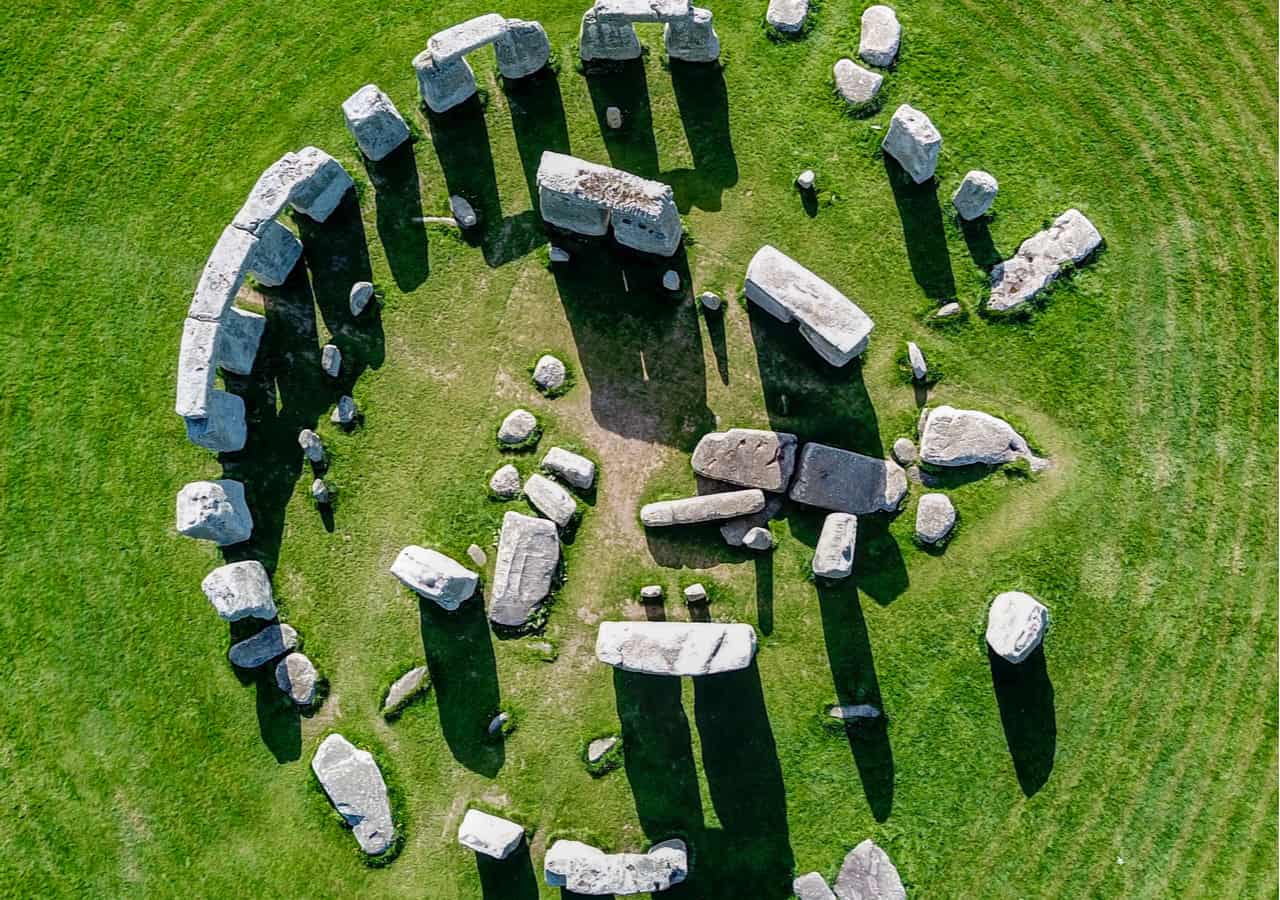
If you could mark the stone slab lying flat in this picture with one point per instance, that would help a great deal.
(1015, 625)
(433, 575)
(676, 648)
(574, 468)
(965, 437)
(831, 322)
(833, 556)
(858, 86)
(582, 869)
(353, 782)
(528, 555)
(491, 835)
(197, 367)
(550, 499)
(240, 590)
(868, 874)
(1072, 238)
(322, 184)
(844, 481)
(405, 688)
(703, 508)
(749, 457)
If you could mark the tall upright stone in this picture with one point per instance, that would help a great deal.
(914, 142)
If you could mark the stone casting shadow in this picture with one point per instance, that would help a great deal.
(512, 878)
(398, 196)
(977, 237)
(464, 678)
(537, 119)
(922, 232)
(719, 344)
(279, 722)
(703, 101)
(1025, 696)
(633, 147)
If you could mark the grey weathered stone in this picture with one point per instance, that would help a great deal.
(692, 38)
(443, 85)
(787, 16)
(345, 413)
(523, 50)
(1072, 238)
(405, 688)
(269, 195)
(505, 482)
(197, 366)
(758, 538)
(735, 531)
(458, 40)
(558, 254)
(549, 373)
(274, 256)
(642, 10)
(703, 508)
(261, 648)
(296, 677)
(353, 782)
(828, 320)
(477, 555)
(573, 468)
(975, 194)
(811, 887)
(606, 39)
(869, 874)
(238, 340)
(463, 212)
(1015, 625)
(224, 428)
(518, 427)
(676, 648)
(550, 499)
(904, 451)
(582, 869)
(919, 368)
(964, 437)
(613, 117)
(528, 555)
(374, 122)
(881, 36)
(807, 180)
(852, 711)
(498, 723)
(750, 457)
(240, 590)
(597, 749)
(651, 593)
(361, 295)
(320, 492)
(935, 517)
(858, 86)
(214, 511)
(833, 555)
(671, 280)
(433, 575)
(331, 360)
(312, 446)
(695, 594)
(947, 310)
(913, 142)
(489, 834)
(844, 481)
(223, 274)
(710, 300)
(323, 184)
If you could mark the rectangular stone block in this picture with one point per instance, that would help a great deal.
(704, 508)
(459, 40)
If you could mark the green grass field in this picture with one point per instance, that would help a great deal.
(1140, 762)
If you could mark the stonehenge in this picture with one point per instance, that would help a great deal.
(214, 511)
(582, 869)
(434, 576)
(676, 648)
(608, 30)
(445, 78)
(919, 368)
(703, 508)
(914, 142)
(1070, 240)
(353, 783)
(374, 122)
(1015, 625)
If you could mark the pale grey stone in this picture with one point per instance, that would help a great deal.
(582, 869)
(735, 531)
(947, 310)
(274, 256)
(606, 39)
(651, 593)
(550, 499)
(676, 648)
(749, 457)
(758, 538)
(671, 280)
(1071, 238)
(498, 722)
(914, 142)
(197, 366)
(558, 254)
(833, 555)
(935, 517)
(261, 648)
(463, 212)
(844, 481)
(443, 85)
(975, 194)
(433, 575)
(811, 887)
(919, 368)
(269, 195)
(710, 301)
(613, 117)
(458, 40)
(477, 555)
(505, 482)
(345, 413)
(214, 511)
(224, 428)
(490, 835)
(223, 274)
(573, 468)
(331, 360)
(324, 183)
(703, 508)
(240, 590)
(361, 294)
(858, 86)
(852, 711)
(353, 782)
(692, 38)
(695, 594)
(869, 874)
(832, 324)
(881, 36)
(921, 420)
(528, 555)
(965, 437)
(787, 15)
(405, 688)
(374, 122)
(597, 749)
(523, 50)
(549, 373)
(643, 10)
(904, 451)
(517, 427)
(296, 677)
(806, 180)
(1015, 625)
(312, 446)
(320, 492)
(239, 339)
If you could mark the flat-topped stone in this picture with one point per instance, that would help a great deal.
(844, 481)
(353, 783)
(214, 511)
(550, 499)
(935, 517)
(1015, 625)
(749, 457)
(488, 834)
(443, 85)
(223, 273)
(523, 50)
(224, 428)
(642, 10)
(259, 649)
(868, 874)
(549, 373)
(404, 689)
(692, 38)
(459, 40)
(788, 16)
(374, 122)
(676, 648)
(881, 36)
(573, 468)
(528, 555)
(360, 296)
(239, 339)
(914, 142)
(518, 427)
(322, 185)
(1071, 239)
(831, 323)
(505, 482)
(582, 869)
(608, 39)
(976, 193)
(858, 86)
(269, 195)
(274, 256)
(240, 590)
(703, 508)
(433, 575)
(833, 555)
(965, 437)
(296, 677)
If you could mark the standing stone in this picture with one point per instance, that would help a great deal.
(787, 15)
(935, 517)
(904, 452)
(582, 869)
(443, 85)
(811, 887)
(858, 86)
(695, 594)
(214, 511)
(352, 781)
(274, 256)
(224, 428)
(558, 254)
(463, 212)
(881, 36)
(523, 50)
(919, 368)
(361, 294)
(345, 412)
(597, 749)
(320, 492)
(331, 360)
(575, 469)
(758, 538)
(433, 575)
(651, 593)
(704, 508)
(833, 556)
(296, 677)
(239, 590)
(477, 555)
(374, 122)
(505, 482)
(549, 373)
(749, 457)
(261, 648)
(518, 427)
(844, 481)
(458, 40)
(975, 194)
(490, 835)
(692, 38)
(528, 555)
(671, 280)
(312, 446)
(499, 722)
(964, 437)
(404, 689)
(323, 184)
(913, 142)
(1015, 625)
(710, 301)
(869, 874)
(676, 648)
(602, 38)
(1072, 238)
(613, 117)
(550, 499)
(239, 340)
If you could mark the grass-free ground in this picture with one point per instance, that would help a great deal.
(1140, 761)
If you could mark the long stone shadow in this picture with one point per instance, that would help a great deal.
(398, 196)
(982, 247)
(464, 678)
(624, 84)
(512, 878)
(922, 232)
(703, 100)
(657, 747)
(537, 119)
(278, 721)
(1025, 696)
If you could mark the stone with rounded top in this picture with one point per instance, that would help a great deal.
(331, 360)
(833, 555)
(360, 296)
(405, 688)
(597, 749)
(914, 142)
(811, 887)
(312, 446)
(345, 413)
(787, 16)
(518, 427)
(488, 834)
(710, 301)
(240, 590)
(807, 180)
(904, 451)
(321, 493)
(374, 122)
(671, 280)
(748, 457)
(549, 373)
(296, 677)
(935, 517)
(214, 511)
(965, 437)
(353, 782)
(613, 117)
(550, 499)
(433, 575)
(758, 538)
(975, 194)
(505, 482)
(858, 86)
(1015, 625)
(269, 643)
(947, 310)
(881, 36)
(868, 874)
(572, 468)
(676, 648)
(651, 593)
(919, 368)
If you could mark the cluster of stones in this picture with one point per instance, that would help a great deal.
(444, 77)
(877, 46)
(608, 30)
(866, 874)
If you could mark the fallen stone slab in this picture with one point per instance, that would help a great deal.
(197, 367)
(1015, 625)
(735, 531)
(858, 86)
(573, 468)
(505, 482)
(490, 835)
(788, 16)
(703, 508)
(831, 323)
(676, 648)
(749, 457)
(436, 577)
(881, 36)
(269, 195)
(459, 40)
(965, 437)
(597, 749)
(811, 887)
(582, 869)
(528, 555)
(296, 677)
(844, 481)
(214, 511)
(269, 643)
(404, 689)
(523, 50)
(550, 499)
(353, 783)
(935, 517)
(975, 194)
(1071, 239)
(374, 122)
(914, 142)
(240, 590)
(224, 428)
(869, 874)
(833, 555)
(919, 368)
(323, 185)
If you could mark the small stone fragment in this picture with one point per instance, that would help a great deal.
(597, 749)
(748, 457)
(345, 412)
(710, 301)
(353, 783)
(361, 294)
(550, 499)
(947, 310)
(214, 511)
(919, 368)
(904, 451)
(975, 194)
(577, 470)
(703, 508)
(490, 835)
(671, 280)
(320, 492)
(559, 254)
(758, 538)
(477, 555)
(935, 517)
(499, 722)
(433, 575)
(296, 677)
(881, 36)
(239, 590)
(851, 711)
(266, 645)
(505, 482)
(833, 556)
(676, 648)
(913, 142)
(695, 594)
(330, 360)
(858, 86)
(806, 180)
(787, 15)
(549, 373)
(811, 887)
(1015, 625)
(613, 117)
(312, 446)
(404, 689)
(517, 427)
(869, 874)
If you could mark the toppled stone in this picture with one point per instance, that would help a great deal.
(692, 38)
(831, 323)
(550, 499)
(274, 256)
(582, 869)
(703, 508)
(811, 887)
(676, 648)
(490, 835)
(858, 86)
(919, 368)
(463, 212)
(239, 590)
(597, 749)
(404, 689)
(807, 180)
(197, 366)
(947, 310)
(695, 594)
(353, 782)
(238, 340)
(361, 295)
(523, 50)
(528, 554)
(443, 85)
(844, 481)
(852, 711)
(296, 677)
(1071, 238)
(330, 360)
(312, 446)
(710, 301)
(904, 451)
(869, 874)
(498, 724)
(735, 531)
(758, 538)
(224, 428)
(505, 482)
(433, 575)
(1015, 625)
(214, 511)
(322, 185)
(749, 457)
(913, 142)
(345, 413)
(651, 593)
(577, 470)
(518, 427)
(261, 648)
(881, 36)
(671, 280)
(787, 15)
(613, 117)
(477, 555)
(558, 254)
(975, 194)
(935, 517)
(964, 437)
(320, 492)
(549, 373)
(374, 122)
(833, 555)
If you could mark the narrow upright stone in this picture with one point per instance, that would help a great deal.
(374, 122)
(881, 36)
(914, 142)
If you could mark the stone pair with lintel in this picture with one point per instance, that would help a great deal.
(445, 78)
(608, 30)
